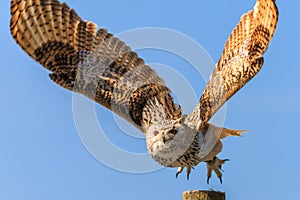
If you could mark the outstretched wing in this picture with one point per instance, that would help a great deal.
(93, 63)
(240, 62)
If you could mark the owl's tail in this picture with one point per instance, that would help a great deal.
(210, 139)
(230, 132)
(224, 132)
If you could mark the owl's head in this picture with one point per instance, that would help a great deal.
(167, 140)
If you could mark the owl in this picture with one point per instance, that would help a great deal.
(84, 59)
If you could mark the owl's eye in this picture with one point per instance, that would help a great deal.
(173, 131)
(155, 133)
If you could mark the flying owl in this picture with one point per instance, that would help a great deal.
(91, 61)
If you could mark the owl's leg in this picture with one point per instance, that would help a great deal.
(188, 171)
(215, 165)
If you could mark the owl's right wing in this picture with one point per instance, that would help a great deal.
(90, 61)
(241, 60)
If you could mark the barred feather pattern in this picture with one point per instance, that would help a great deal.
(240, 61)
(89, 61)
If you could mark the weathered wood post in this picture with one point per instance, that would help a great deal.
(203, 195)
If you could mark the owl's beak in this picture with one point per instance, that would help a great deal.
(166, 138)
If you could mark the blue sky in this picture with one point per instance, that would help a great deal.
(42, 156)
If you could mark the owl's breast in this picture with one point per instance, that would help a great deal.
(190, 157)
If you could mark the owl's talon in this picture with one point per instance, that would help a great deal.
(215, 165)
(188, 172)
(177, 174)
(179, 171)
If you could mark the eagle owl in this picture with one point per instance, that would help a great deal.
(92, 62)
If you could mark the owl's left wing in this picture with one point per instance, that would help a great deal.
(241, 60)
(90, 61)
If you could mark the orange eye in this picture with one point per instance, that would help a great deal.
(155, 133)
(173, 131)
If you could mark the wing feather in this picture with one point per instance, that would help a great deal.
(240, 61)
(89, 61)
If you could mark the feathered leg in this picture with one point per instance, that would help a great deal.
(215, 165)
(188, 171)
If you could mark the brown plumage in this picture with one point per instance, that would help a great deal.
(100, 66)
(240, 61)
(93, 63)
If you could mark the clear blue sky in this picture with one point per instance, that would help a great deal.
(42, 156)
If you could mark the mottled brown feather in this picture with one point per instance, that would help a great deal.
(93, 63)
(241, 60)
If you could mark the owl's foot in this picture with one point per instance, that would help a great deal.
(216, 165)
(188, 171)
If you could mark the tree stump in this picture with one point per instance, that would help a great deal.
(203, 195)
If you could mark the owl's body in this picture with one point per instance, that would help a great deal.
(103, 68)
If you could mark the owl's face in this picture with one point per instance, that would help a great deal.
(169, 140)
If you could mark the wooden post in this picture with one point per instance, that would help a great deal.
(203, 195)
